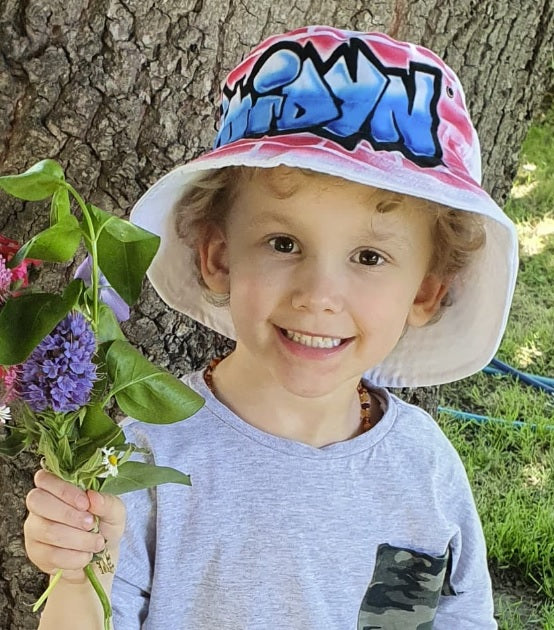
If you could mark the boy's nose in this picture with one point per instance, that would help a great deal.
(317, 290)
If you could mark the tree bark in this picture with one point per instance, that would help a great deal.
(121, 91)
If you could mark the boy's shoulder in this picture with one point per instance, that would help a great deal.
(417, 431)
(408, 412)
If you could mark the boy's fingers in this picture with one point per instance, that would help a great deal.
(64, 490)
(43, 504)
(58, 535)
(49, 559)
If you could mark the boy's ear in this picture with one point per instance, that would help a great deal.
(214, 259)
(428, 300)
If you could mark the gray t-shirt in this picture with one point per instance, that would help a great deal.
(377, 532)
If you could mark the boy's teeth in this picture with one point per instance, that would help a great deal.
(313, 342)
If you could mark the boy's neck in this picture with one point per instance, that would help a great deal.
(261, 402)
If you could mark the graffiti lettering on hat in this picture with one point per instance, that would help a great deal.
(349, 98)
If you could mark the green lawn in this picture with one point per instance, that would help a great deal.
(512, 469)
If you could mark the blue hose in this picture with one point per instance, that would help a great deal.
(538, 383)
(472, 417)
(498, 367)
(542, 379)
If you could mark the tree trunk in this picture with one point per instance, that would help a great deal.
(121, 91)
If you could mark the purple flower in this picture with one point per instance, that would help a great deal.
(60, 372)
(109, 296)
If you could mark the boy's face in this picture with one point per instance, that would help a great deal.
(321, 284)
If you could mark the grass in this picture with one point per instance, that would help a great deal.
(515, 615)
(512, 469)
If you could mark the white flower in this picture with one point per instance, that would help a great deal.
(109, 460)
(5, 414)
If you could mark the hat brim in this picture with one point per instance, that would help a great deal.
(468, 333)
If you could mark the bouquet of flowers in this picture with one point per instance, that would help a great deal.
(64, 358)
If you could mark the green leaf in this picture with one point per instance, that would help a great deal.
(46, 449)
(108, 326)
(100, 385)
(13, 444)
(55, 244)
(60, 207)
(125, 252)
(100, 428)
(19, 256)
(146, 392)
(73, 290)
(88, 465)
(64, 452)
(39, 182)
(27, 319)
(137, 476)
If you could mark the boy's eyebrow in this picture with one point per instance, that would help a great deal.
(265, 217)
(389, 236)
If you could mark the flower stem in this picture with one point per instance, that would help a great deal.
(47, 592)
(106, 606)
(93, 252)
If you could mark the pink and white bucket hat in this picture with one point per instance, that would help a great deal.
(376, 111)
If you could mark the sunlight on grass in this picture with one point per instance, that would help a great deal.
(526, 355)
(522, 190)
(534, 237)
(535, 475)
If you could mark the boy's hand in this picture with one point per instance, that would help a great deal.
(57, 530)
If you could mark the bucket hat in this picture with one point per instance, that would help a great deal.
(372, 110)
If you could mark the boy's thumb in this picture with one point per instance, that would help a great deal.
(106, 506)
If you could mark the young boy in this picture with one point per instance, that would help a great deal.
(340, 235)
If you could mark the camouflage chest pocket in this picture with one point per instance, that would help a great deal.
(404, 591)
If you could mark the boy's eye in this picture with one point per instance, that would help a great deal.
(283, 244)
(369, 257)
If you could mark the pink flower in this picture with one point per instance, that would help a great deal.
(8, 382)
(8, 249)
(5, 280)
(20, 272)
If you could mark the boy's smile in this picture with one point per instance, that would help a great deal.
(313, 341)
(311, 345)
(321, 283)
